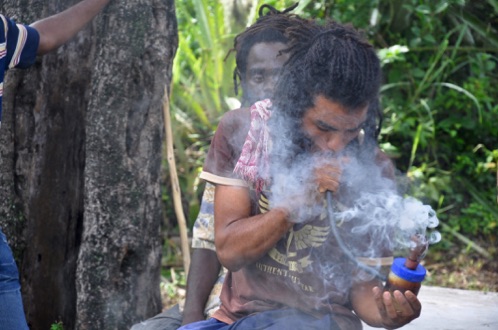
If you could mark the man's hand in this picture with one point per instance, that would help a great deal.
(328, 176)
(302, 193)
(397, 309)
(328, 171)
(380, 309)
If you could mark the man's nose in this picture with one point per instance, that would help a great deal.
(336, 143)
(268, 89)
(270, 84)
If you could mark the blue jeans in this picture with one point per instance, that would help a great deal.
(270, 320)
(11, 309)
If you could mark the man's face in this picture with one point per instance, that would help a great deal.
(263, 69)
(330, 126)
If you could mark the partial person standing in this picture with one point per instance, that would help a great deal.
(19, 46)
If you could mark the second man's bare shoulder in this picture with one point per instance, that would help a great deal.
(234, 125)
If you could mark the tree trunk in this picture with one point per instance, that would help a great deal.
(81, 144)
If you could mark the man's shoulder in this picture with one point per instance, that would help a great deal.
(236, 116)
(385, 162)
(235, 123)
(19, 43)
(381, 156)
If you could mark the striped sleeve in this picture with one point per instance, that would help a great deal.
(22, 45)
(18, 48)
(3, 41)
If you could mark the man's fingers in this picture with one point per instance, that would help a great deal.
(377, 292)
(328, 184)
(391, 310)
(328, 178)
(415, 304)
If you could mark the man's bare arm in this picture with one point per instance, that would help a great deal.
(204, 271)
(242, 239)
(57, 29)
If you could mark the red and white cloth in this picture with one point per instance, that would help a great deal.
(253, 163)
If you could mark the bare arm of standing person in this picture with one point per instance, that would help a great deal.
(57, 29)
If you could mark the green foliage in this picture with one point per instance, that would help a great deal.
(171, 281)
(476, 218)
(439, 98)
(202, 86)
(57, 326)
(438, 103)
(439, 60)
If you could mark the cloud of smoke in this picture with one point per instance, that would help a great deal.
(373, 218)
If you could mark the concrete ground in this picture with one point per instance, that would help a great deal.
(453, 309)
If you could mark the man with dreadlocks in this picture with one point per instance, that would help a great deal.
(286, 268)
(259, 61)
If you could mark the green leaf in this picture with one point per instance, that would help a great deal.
(466, 93)
(479, 26)
(423, 9)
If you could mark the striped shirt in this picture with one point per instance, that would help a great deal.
(18, 47)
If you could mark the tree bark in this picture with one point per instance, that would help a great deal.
(80, 145)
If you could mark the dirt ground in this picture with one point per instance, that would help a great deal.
(462, 268)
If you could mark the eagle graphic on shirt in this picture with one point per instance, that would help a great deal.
(299, 241)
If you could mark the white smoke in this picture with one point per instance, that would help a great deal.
(293, 188)
(373, 217)
(386, 212)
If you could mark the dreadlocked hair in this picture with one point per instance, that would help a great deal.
(270, 27)
(332, 60)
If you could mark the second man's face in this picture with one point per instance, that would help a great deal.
(264, 65)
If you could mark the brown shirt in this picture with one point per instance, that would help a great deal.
(305, 270)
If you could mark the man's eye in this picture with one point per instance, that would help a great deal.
(324, 127)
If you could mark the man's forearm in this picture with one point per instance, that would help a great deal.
(57, 29)
(363, 303)
(203, 274)
(241, 238)
(247, 240)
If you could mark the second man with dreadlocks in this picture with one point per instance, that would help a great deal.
(258, 64)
